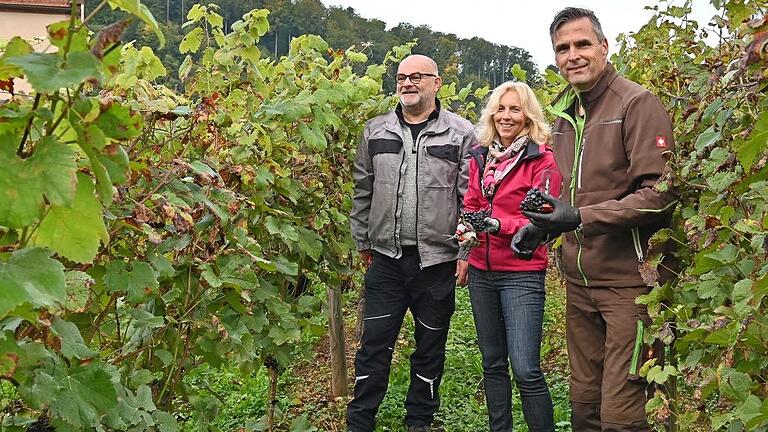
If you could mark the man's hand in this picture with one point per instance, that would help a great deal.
(462, 268)
(563, 218)
(367, 256)
(492, 225)
(526, 240)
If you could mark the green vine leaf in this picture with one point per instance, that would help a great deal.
(735, 385)
(31, 275)
(315, 139)
(50, 172)
(756, 144)
(119, 122)
(80, 397)
(46, 75)
(74, 231)
(115, 160)
(78, 291)
(749, 409)
(54, 165)
(137, 282)
(165, 422)
(311, 243)
(286, 266)
(72, 343)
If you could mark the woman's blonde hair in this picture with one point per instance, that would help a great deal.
(537, 127)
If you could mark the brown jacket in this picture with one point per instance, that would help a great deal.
(609, 175)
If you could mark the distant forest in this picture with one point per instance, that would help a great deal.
(460, 60)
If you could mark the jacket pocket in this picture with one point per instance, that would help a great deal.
(383, 145)
(438, 216)
(382, 213)
(448, 152)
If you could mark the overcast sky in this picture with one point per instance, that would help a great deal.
(524, 24)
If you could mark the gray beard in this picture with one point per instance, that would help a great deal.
(417, 107)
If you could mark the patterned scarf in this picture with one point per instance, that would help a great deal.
(500, 162)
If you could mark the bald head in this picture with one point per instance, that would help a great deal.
(419, 62)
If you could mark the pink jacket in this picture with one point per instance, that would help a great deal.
(494, 252)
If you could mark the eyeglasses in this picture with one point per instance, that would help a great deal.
(414, 77)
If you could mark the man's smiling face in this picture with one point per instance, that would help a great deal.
(579, 55)
(415, 96)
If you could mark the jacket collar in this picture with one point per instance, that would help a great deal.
(568, 95)
(437, 121)
(602, 84)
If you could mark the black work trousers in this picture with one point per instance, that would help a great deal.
(391, 287)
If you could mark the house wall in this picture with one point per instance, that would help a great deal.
(32, 27)
(27, 24)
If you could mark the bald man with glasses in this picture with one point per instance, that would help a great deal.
(410, 176)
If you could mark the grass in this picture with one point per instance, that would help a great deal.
(231, 400)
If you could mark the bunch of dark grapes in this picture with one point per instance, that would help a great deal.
(476, 219)
(534, 202)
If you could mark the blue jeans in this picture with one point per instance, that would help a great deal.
(509, 308)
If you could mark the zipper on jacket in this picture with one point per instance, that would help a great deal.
(578, 149)
(638, 245)
(416, 224)
(398, 249)
(581, 159)
(488, 236)
(415, 149)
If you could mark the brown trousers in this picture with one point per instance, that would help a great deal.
(601, 326)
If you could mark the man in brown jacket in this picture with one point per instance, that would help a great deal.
(610, 137)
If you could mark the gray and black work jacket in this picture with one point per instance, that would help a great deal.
(442, 170)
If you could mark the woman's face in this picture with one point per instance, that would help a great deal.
(509, 118)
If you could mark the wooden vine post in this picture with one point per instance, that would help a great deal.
(336, 336)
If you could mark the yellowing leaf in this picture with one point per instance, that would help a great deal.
(191, 41)
(16, 47)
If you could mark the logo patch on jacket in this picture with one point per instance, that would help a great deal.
(661, 141)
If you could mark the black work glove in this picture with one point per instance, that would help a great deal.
(563, 218)
(526, 240)
(492, 225)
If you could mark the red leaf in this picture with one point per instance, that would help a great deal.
(7, 85)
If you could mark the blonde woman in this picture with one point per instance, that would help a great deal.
(507, 288)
